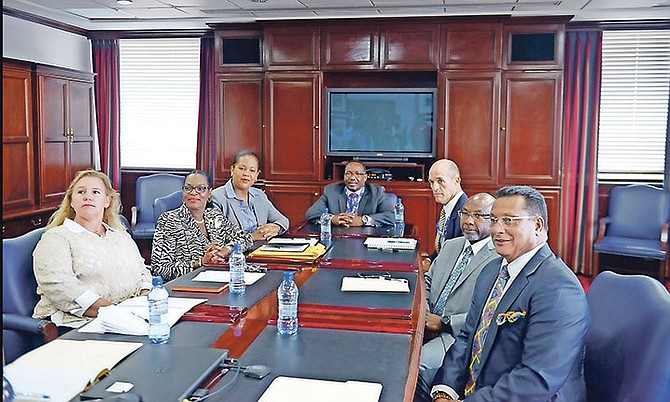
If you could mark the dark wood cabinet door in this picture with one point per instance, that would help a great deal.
(533, 46)
(553, 199)
(292, 119)
(18, 174)
(530, 132)
(82, 126)
(293, 200)
(471, 114)
(292, 48)
(239, 120)
(409, 47)
(420, 210)
(350, 48)
(472, 46)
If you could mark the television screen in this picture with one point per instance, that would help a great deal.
(381, 122)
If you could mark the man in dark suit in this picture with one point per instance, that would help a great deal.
(353, 202)
(445, 181)
(450, 282)
(523, 339)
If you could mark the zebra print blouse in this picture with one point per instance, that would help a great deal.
(178, 241)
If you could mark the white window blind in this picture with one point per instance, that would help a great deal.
(634, 105)
(159, 90)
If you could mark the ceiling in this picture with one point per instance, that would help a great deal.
(196, 14)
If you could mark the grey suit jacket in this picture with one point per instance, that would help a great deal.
(459, 300)
(262, 207)
(374, 203)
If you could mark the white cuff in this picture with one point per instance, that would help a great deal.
(85, 300)
(444, 388)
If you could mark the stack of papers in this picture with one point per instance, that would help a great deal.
(309, 254)
(392, 243)
(61, 369)
(374, 284)
(289, 244)
(291, 389)
(131, 317)
(224, 276)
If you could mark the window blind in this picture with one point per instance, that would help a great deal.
(159, 91)
(634, 105)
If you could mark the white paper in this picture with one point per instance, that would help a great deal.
(224, 276)
(293, 240)
(393, 243)
(291, 389)
(357, 284)
(130, 317)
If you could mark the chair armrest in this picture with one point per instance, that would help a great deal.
(664, 236)
(46, 328)
(602, 225)
(133, 217)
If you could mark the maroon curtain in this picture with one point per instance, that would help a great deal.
(106, 69)
(206, 146)
(580, 188)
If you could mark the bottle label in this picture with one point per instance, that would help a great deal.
(288, 310)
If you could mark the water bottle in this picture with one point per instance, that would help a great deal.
(287, 313)
(236, 264)
(159, 328)
(7, 390)
(325, 223)
(398, 218)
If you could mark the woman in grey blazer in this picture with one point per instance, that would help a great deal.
(246, 206)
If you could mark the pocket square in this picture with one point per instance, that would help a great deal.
(509, 316)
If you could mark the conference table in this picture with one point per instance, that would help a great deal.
(360, 336)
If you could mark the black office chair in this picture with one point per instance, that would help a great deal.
(170, 201)
(20, 332)
(147, 189)
(628, 343)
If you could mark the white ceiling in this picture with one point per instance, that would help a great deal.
(196, 14)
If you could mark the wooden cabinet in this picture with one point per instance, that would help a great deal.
(238, 49)
(408, 47)
(23, 223)
(292, 119)
(420, 209)
(66, 130)
(292, 48)
(239, 122)
(18, 174)
(471, 46)
(533, 46)
(293, 200)
(350, 47)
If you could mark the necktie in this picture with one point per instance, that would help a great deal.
(352, 203)
(451, 282)
(483, 328)
(440, 229)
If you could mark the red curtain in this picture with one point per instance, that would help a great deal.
(580, 187)
(106, 69)
(206, 137)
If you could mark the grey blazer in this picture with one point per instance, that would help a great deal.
(374, 203)
(459, 300)
(262, 207)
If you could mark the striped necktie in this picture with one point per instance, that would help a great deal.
(451, 282)
(352, 203)
(440, 229)
(482, 330)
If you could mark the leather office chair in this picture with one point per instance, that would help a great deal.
(628, 343)
(170, 201)
(636, 225)
(20, 332)
(147, 189)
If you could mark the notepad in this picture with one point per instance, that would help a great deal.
(224, 276)
(293, 240)
(393, 243)
(375, 284)
(292, 389)
(286, 248)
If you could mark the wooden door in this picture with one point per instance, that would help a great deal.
(82, 127)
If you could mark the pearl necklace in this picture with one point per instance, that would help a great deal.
(199, 222)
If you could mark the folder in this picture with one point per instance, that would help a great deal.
(293, 389)
(391, 243)
(310, 254)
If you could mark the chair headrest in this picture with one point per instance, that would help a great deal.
(19, 286)
(166, 203)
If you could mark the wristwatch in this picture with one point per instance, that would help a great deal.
(441, 394)
(446, 324)
(366, 220)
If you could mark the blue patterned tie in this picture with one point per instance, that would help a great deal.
(352, 203)
(451, 282)
(482, 330)
(441, 222)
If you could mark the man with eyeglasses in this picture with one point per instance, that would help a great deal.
(523, 338)
(353, 201)
(445, 182)
(450, 282)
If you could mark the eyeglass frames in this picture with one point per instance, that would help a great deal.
(198, 189)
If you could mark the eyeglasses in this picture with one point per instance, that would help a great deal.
(509, 220)
(198, 189)
(474, 215)
(357, 174)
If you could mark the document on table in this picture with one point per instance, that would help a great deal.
(392, 243)
(131, 317)
(292, 389)
(224, 276)
(374, 284)
(293, 240)
(61, 369)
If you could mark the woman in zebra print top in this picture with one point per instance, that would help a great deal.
(194, 234)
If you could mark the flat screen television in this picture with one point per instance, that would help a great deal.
(381, 123)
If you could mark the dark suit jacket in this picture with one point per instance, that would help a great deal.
(452, 226)
(540, 356)
(374, 203)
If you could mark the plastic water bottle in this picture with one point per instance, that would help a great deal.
(7, 390)
(287, 313)
(398, 218)
(236, 264)
(159, 328)
(325, 223)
